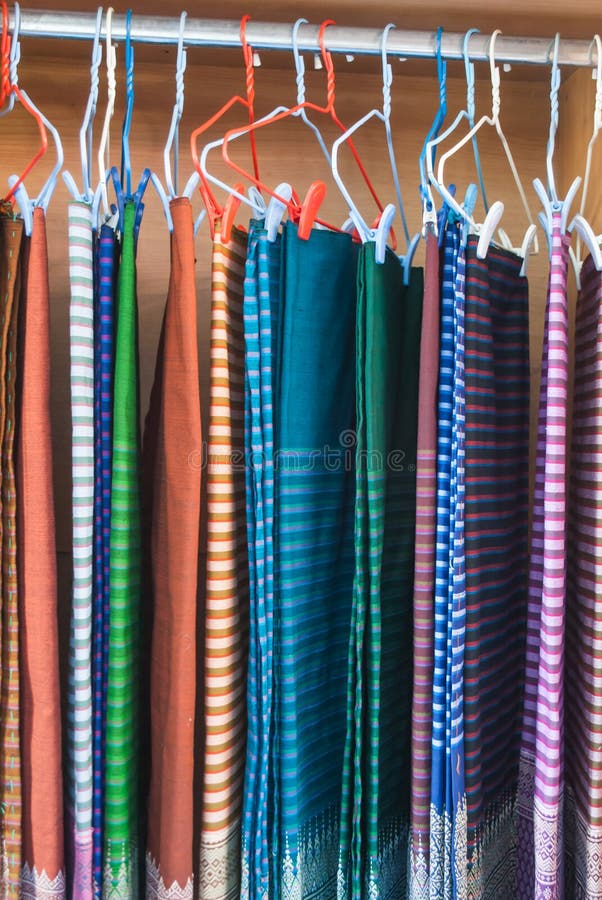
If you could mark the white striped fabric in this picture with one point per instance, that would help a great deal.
(81, 332)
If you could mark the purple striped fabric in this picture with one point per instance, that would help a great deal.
(583, 822)
(424, 572)
(539, 872)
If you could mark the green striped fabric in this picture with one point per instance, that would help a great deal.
(376, 788)
(121, 860)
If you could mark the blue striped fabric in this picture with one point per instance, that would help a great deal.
(314, 508)
(103, 426)
(458, 595)
(440, 833)
(261, 287)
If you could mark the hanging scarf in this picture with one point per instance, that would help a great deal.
(440, 848)
(43, 875)
(261, 314)
(584, 595)
(379, 715)
(122, 826)
(176, 503)
(103, 437)
(539, 870)
(424, 576)
(81, 329)
(11, 831)
(315, 413)
(227, 598)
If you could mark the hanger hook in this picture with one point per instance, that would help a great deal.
(5, 50)
(103, 147)
(387, 71)
(328, 64)
(247, 54)
(173, 136)
(299, 63)
(597, 43)
(554, 91)
(495, 77)
(470, 79)
(441, 68)
(181, 64)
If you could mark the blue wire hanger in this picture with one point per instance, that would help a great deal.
(468, 115)
(429, 214)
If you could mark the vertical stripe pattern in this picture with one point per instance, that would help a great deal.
(541, 790)
(103, 427)
(496, 536)
(424, 575)
(315, 486)
(261, 309)
(121, 856)
(583, 605)
(227, 595)
(440, 862)
(81, 330)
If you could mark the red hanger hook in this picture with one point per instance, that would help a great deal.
(247, 54)
(328, 64)
(5, 53)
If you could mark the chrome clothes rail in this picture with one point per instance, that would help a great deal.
(277, 36)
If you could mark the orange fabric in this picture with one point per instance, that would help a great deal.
(11, 244)
(173, 440)
(40, 696)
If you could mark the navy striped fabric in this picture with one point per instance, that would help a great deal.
(103, 427)
(496, 542)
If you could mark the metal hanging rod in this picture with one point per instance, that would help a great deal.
(277, 36)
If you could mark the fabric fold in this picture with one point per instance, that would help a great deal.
(227, 587)
(175, 518)
(43, 875)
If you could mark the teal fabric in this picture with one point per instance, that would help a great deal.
(315, 486)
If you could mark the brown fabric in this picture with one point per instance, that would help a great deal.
(176, 491)
(40, 697)
(11, 236)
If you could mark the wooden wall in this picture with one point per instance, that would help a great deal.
(59, 84)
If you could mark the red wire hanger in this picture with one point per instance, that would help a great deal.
(6, 89)
(305, 215)
(214, 209)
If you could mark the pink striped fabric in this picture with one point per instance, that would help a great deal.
(584, 602)
(540, 801)
(424, 574)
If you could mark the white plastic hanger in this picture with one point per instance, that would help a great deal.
(87, 126)
(492, 219)
(580, 225)
(549, 198)
(378, 234)
(42, 200)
